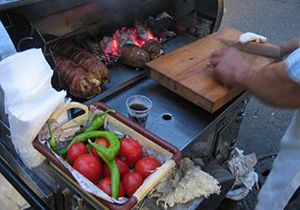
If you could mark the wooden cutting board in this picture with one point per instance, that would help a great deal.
(185, 71)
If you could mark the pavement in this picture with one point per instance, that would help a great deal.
(278, 20)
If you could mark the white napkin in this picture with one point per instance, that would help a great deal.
(23, 76)
(29, 100)
(27, 119)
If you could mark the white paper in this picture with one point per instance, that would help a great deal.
(242, 167)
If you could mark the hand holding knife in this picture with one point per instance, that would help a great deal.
(262, 49)
(251, 43)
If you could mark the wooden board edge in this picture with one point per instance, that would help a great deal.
(172, 85)
(221, 102)
(227, 30)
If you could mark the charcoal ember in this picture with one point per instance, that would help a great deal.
(93, 47)
(125, 36)
(89, 61)
(153, 48)
(108, 59)
(161, 23)
(134, 56)
(165, 36)
(75, 79)
(105, 42)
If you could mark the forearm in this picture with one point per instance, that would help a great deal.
(287, 47)
(273, 86)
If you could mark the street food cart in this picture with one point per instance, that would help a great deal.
(196, 132)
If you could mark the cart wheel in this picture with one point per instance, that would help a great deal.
(262, 168)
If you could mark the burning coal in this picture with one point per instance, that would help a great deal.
(133, 40)
(137, 45)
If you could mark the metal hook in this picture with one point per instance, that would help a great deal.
(22, 40)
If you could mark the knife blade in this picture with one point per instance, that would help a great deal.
(7, 47)
(263, 49)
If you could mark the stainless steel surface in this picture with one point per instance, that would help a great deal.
(9, 4)
(187, 122)
(7, 47)
(72, 17)
(121, 77)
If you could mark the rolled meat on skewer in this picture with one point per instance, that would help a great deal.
(76, 80)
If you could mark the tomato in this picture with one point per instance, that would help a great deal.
(104, 185)
(130, 151)
(122, 166)
(89, 166)
(75, 151)
(146, 166)
(132, 181)
(101, 141)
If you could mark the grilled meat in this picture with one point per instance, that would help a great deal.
(153, 48)
(89, 61)
(76, 80)
(134, 56)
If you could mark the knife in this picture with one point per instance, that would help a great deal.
(263, 49)
(7, 47)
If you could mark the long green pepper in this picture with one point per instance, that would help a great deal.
(113, 168)
(98, 121)
(53, 140)
(109, 153)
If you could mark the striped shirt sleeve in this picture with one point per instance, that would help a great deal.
(293, 64)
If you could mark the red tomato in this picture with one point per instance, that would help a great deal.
(146, 166)
(101, 141)
(104, 185)
(122, 166)
(75, 151)
(89, 166)
(130, 151)
(132, 181)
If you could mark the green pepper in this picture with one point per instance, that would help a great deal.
(113, 168)
(53, 140)
(98, 121)
(109, 153)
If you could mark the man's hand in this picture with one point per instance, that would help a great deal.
(230, 68)
(271, 84)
